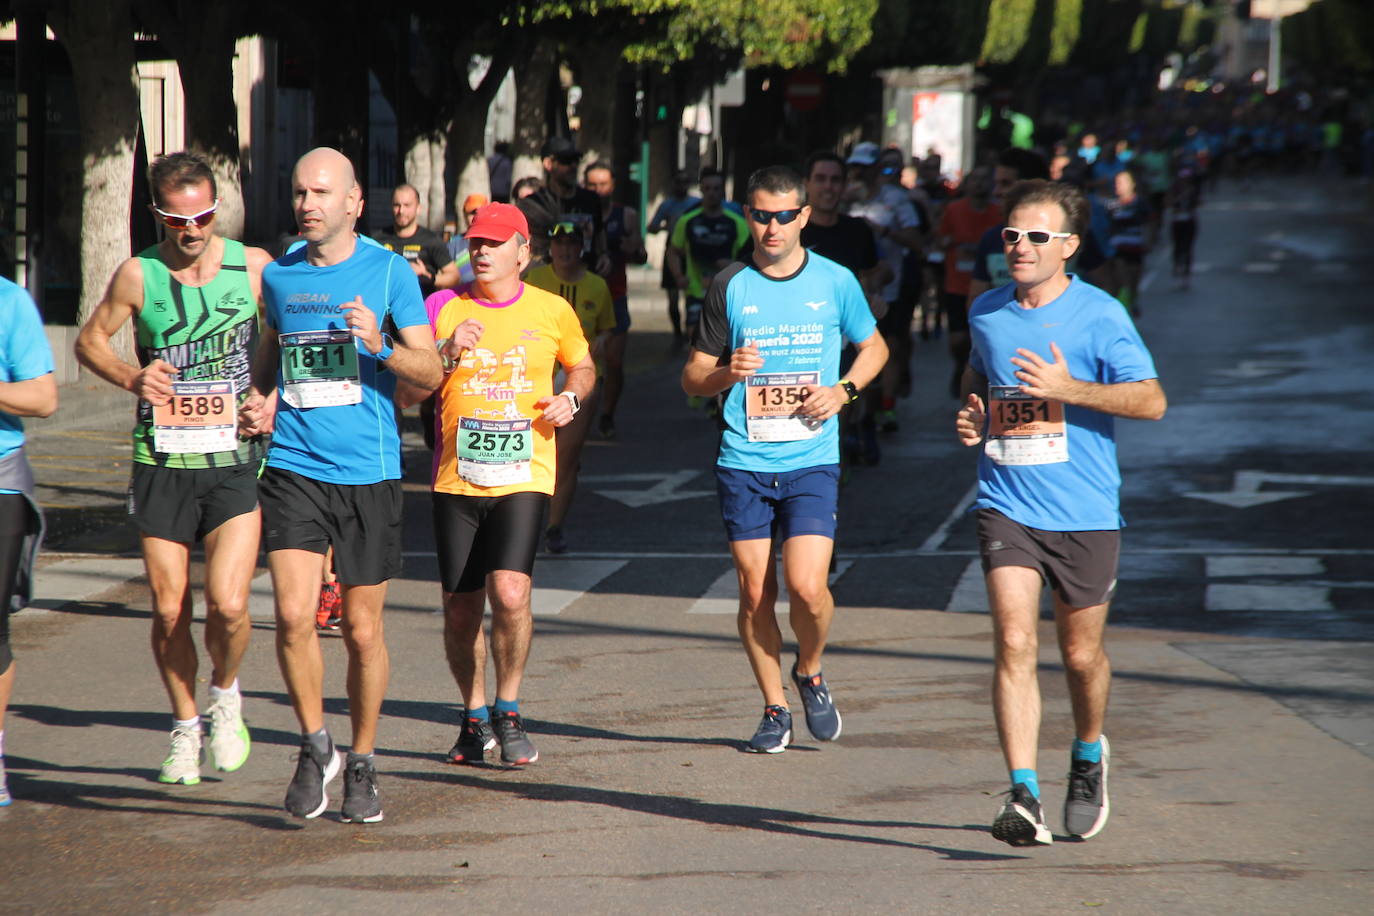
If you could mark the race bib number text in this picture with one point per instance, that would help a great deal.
(772, 403)
(201, 417)
(494, 453)
(1024, 430)
(320, 369)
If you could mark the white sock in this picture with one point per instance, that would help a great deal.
(193, 722)
(2, 742)
(231, 690)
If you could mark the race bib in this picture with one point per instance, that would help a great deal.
(494, 453)
(1024, 430)
(320, 369)
(771, 405)
(201, 417)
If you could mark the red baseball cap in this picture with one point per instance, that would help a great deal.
(498, 222)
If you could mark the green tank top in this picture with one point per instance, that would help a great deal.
(209, 333)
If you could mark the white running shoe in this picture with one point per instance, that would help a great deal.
(183, 763)
(229, 741)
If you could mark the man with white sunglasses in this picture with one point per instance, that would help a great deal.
(1057, 360)
(194, 299)
(770, 337)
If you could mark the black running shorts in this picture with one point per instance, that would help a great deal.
(478, 534)
(1079, 565)
(186, 504)
(362, 522)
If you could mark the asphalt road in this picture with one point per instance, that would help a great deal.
(1242, 642)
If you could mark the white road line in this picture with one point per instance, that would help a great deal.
(1227, 597)
(938, 536)
(1231, 567)
(970, 593)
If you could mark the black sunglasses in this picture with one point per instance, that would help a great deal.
(764, 217)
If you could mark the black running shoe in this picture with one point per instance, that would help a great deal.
(1021, 822)
(361, 803)
(305, 797)
(1087, 806)
(774, 732)
(475, 738)
(516, 747)
(607, 426)
(822, 718)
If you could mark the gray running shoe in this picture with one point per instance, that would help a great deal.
(229, 741)
(774, 732)
(305, 797)
(516, 747)
(361, 804)
(475, 738)
(1021, 822)
(5, 798)
(822, 718)
(1086, 807)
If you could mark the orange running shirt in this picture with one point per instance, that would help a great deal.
(490, 440)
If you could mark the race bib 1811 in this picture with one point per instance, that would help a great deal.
(320, 369)
(201, 417)
(1023, 429)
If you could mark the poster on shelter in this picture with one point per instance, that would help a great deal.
(937, 125)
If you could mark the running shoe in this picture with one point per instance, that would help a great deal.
(555, 541)
(361, 804)
(183, 763)
(774, 732)
(5, 798)
(822, 718)
(229, 741)
(1087, 806)
(1021, 822)
(475, 738)
(305, 797)
(516, 747)
(607, 427)
(329, 614)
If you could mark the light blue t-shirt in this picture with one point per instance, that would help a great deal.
(1101, 345)
(799, 324)
(355, 443)
(24, 354)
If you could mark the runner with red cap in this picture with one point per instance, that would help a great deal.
(495, 467)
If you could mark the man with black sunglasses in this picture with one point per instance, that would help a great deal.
(770, 337)
(194, 300)
(562, 199)
(1058, 360)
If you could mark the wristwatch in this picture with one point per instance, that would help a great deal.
(572, 400)
(850, 389)
(385, 352)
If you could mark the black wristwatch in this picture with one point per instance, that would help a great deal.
(850, 389)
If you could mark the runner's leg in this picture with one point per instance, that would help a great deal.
(512, 629)
(173, 648)
(231, 553)
(296, 584)
(465, 646)
(1086, 666)
(369, 666)
(1014, 598)
(806, 564)
(758, 622)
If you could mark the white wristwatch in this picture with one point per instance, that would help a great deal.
(572, 400)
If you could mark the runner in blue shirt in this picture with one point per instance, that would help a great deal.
(770, 336)
(1058, 359)
(332, 476)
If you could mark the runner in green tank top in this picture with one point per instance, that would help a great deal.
(194, 301)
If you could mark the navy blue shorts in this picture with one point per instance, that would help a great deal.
(755, 504)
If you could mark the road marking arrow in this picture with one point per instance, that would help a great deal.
(1245, 488)
(664, 489)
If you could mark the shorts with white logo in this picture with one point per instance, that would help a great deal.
(1079, 565)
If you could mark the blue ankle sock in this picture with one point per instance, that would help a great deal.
(479, 712)
(1028, 778)
(1085, 751)
(505, 706)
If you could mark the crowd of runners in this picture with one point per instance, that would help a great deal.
(268, 391)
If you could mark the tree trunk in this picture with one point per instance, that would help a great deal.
(424, 170)
(99, 38)
(466, 142)
(531, 107)
(598, 78)
(207, 78)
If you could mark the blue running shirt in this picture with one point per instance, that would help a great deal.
(799, 324)
(355, 443)
(1101, 344)
(24, 354)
